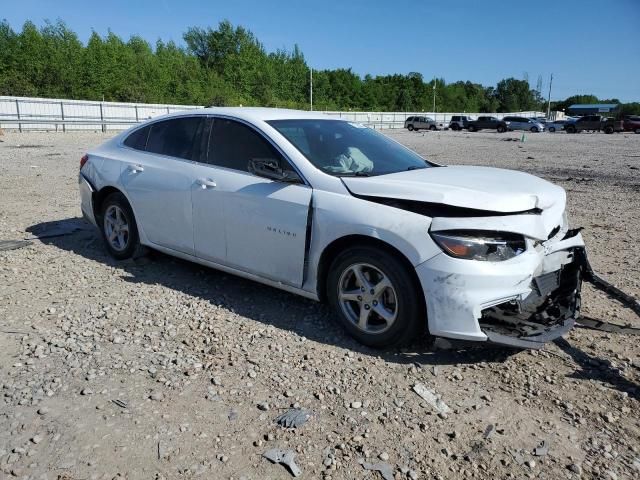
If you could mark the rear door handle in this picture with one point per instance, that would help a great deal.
(136, 168)
(206, 183)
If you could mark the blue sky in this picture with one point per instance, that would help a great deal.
(591, 46)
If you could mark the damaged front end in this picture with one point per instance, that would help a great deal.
(553, 305)
(548, 312)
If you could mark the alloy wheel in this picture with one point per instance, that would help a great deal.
(367, 298)
(116, 228)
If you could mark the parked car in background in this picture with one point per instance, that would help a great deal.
(459, 122)
(523, 123)
(555, 126)
(632, 124)
(595, 123)
(335, 211)
(420, 123)
(490, 123)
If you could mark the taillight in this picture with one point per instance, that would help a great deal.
(83, 160)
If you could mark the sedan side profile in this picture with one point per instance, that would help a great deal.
(337, 212)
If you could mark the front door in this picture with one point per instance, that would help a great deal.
(265, 221)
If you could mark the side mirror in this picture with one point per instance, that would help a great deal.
(270, 168)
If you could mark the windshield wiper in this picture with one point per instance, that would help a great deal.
(355, 174)
(415, 167)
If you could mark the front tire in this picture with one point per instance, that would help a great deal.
(637, 130)
(501, 129)
(118, 227)
(570, 129)
(534, 129)
(455, 127)
(432, 127)
(552, 129)
(608, 130)
(471, 128)
(410, 128)
(375, 297)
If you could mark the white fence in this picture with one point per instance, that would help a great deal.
(56, 114)
(24, 113)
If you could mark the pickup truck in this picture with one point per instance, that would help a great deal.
(491, 123)
(595, 123)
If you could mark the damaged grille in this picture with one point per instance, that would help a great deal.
(554, 299)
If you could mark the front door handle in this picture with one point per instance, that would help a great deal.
(206, 183)
(136, 168)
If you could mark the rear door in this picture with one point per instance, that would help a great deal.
(265, 221)
(157, 178)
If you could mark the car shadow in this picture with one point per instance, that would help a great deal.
(264, 304)
(593, 368)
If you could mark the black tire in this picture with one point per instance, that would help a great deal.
(552, 129)
(410, 319)
(533, 129)
(570, 129)
(501, 129)
(472, 128)
(432, 127)
(455, 127)
(132, 244)
(410, 127)
(637, 130)
(608, 129)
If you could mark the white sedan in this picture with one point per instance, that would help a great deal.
(337, 212)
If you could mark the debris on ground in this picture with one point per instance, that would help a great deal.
(13, 244)
(542, 449)
(384, 468)
(294, 418)
(489, 431)
(431, 398)
(57, 228)
(283, 457)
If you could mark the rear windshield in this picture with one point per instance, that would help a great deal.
(343, 148)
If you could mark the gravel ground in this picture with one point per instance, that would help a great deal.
(158, 368)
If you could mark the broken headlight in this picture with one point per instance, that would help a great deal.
(480, 245)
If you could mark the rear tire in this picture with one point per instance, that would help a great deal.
(534, 129)
(552, 129)
(363, 281)
(471, 128)
(432, 127)
(501, 129)
(455, 127)
(608, 130)
(118, 227)
(637, 130)
(410, 128)
(570, 129)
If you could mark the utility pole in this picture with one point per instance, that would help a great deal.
(311, 89)
(434, 95)
(549, 97)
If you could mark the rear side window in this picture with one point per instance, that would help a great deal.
(138, 139)
(174, 137)
(233, 145)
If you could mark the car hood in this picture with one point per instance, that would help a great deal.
(481, 188)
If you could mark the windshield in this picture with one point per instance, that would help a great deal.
(347, 149)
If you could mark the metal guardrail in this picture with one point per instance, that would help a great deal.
(101, 124)
(53, 114)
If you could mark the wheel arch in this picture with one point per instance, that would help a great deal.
(341, 244)
(99, 196)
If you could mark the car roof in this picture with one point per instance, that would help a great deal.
(253, 114)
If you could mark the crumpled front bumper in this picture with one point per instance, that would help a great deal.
(522, 302)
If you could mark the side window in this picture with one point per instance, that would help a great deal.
(174, 137)
(138, 139)
(233, 145)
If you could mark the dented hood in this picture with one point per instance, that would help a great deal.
(482, 188)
